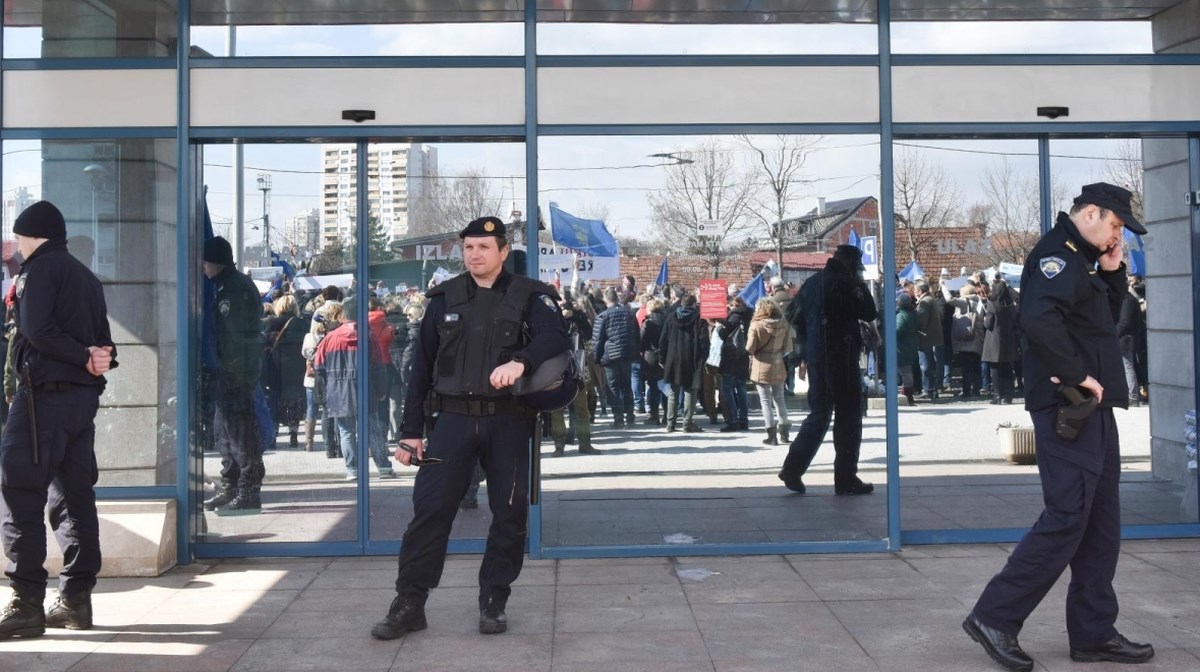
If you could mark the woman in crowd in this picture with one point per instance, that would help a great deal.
(285, 365)
(769, 338)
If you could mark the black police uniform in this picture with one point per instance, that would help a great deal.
(1067, 316)
(466, 333)
(47, 455)
(238, 310)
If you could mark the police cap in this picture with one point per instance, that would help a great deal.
(484, 226)
(1111, 197)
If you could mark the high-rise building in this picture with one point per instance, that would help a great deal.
(14, 204)
(399, 173)
(303, 229)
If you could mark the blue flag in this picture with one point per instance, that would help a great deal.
(1137, 254)
(754, 291)
(912, 271)
(661, 280)
(585, 235)
(289, 271)
(854, 238)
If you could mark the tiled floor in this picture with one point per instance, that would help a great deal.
(829, 613)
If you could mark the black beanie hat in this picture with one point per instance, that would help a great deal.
(218, 251)
(41, 220)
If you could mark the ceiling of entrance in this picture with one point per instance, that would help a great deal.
(335, 12)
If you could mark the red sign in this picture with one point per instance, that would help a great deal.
(713, 302)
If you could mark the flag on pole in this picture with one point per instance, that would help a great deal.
(557, 281)
(912, 271)
(1137, 254)
(575, 272)
(661, 280)
(585, 235)
(854, 239)
(757, 287)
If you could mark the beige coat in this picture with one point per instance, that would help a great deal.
(766, 343)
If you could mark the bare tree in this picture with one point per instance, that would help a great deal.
(1124, 169)
(708, 187)
(453, 201)
(780, 171)
(1011, 223)
(925, 200)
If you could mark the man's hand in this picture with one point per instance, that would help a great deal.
(506, 374)
(1112, 258)
(1090, 384)
(100, 360)
(408, 449)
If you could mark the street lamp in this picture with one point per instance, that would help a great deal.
(264, 185)
(96, 175)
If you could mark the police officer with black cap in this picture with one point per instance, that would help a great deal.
(62, 350)
(1071, 292)
(482, 332)
(237, 311)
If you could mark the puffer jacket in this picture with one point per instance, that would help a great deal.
(767, 342)
(616, 336)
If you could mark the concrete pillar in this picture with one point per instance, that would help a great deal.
(1172, 366)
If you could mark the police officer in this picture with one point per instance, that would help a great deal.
(237, 310)
(62, 349)
(472, 348)
(1071, 292)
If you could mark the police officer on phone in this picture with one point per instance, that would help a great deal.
(61, 350)
(1071, 292)
(483, 330)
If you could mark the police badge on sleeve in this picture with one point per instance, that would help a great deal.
(223, 306)
(20, 285)
(1051, 266)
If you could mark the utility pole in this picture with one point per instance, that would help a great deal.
(264, 185)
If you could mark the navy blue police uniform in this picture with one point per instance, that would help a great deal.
(47, 456)
(237, 311)
(1067, 317)
(467, 332)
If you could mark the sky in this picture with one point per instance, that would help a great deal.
(592, 174)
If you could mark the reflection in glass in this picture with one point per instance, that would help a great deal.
(371, 38)
(81, 29)
(712, 203)
(683, 38)
(1022, 37)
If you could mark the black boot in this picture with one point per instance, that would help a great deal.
(492, 620)
(22, 618)
(585, 447)
(246, 503)
(559, 448)
(225, 494)
(407, 614)
(792, 483)
(729, 428)
(73, 612)
(653, 419)
(783, 434)
(771, 440)
(293, 439)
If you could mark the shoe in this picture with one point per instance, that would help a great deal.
(1006, 400)
(995, 401)
(728, 428)
(407, 614)
(770, 440)
(618, 424)
(71, 612)
(225, 494)
(385, 474)
(652, 420)
(630, 420)
(712, 420)
(640, 409)
(560, 449)
(22, 618)
(492, 620)
(1002, 648)
(794, 484)
(693, 427)
(744, 426)
(1116, 650)
(783, 434)
(293, 440)
(245, 504)
(858, 488)
(351, 477)
(587, 449)
(671, 428)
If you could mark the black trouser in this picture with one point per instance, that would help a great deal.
(501, 444)
(1002, 379)
(236, 438)
(1080, 528)
(972, 372)
(845, 409)
(63, 478)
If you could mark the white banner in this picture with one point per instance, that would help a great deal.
(562, 259)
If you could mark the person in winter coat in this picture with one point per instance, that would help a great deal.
(1131, 324)
(652, 365)
(832, 303)
(579, 331)
(1000, 339)
(929, 339)
(285, 365)
(615, 336)
(769, 338)
(308, 350)
(906, 342)
(682, 348)
(968, 334)
(735, 364)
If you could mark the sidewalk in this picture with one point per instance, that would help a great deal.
(827, 613)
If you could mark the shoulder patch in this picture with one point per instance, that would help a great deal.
(549, 302)
(1051, 266)
(223, 306)
(20, 285)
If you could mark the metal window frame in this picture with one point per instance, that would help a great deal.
(188, 138)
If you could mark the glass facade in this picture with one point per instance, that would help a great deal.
(734, 139)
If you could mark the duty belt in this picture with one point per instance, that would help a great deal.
(481, 407)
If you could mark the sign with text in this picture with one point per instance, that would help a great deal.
(713, 299)
(709, 228)
(870, 256)
(553, 258)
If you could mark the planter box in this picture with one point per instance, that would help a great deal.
(1017, 445)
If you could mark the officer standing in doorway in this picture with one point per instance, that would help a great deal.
(482, 331)
(1071, 292)
(62, 350)
(237, 312)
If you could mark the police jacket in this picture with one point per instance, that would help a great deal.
(829, 306)
(238, 310)
(469, 330)
(1067, 318)
(60, 313)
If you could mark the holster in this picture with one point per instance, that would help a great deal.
(1077, 406)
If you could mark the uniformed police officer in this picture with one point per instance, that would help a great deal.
(482, 331)
(1071, 292)
(61, 351)
(237, 310)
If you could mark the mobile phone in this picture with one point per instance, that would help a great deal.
(419, 461)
